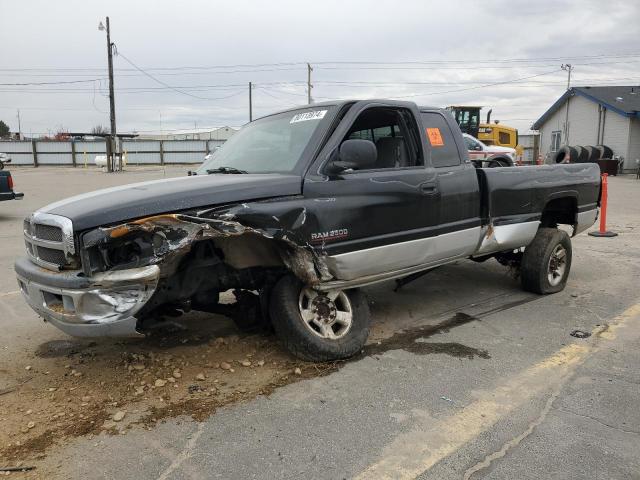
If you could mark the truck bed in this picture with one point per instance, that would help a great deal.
(511, 195)
(516, 201)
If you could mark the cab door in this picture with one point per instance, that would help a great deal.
(376, 220)
(460, 203)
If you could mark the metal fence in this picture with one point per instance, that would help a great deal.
(83, 152)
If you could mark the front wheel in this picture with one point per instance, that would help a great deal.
(319, 326)
(546, 262)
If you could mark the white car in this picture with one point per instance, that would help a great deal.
(4, 158)
(489, 155)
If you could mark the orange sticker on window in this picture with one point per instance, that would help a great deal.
(434, 137)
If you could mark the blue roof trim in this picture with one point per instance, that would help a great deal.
(557, 104)
(573, 91)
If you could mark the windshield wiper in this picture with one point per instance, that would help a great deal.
(225, 170)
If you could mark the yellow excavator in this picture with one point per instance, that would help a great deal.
(468, 118)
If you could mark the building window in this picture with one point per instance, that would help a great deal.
(555, 140)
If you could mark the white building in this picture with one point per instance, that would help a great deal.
(596, 116)
(222, 134)
(530, 143)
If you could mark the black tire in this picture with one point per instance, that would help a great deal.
(537, 266)
(583, 154)
(566, 154)
(594, 153)
(299, 339)
(573, 154)
(606, 152)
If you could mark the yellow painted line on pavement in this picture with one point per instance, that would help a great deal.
(431, 439)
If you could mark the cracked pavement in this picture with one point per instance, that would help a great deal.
(496, 389)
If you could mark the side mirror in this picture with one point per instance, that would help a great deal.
(354, 154)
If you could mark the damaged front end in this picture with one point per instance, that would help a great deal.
(103, 305)
(193, 258)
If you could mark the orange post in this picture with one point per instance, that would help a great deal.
(603, 232)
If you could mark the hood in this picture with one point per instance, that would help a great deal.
(497, 149)
(128, 202)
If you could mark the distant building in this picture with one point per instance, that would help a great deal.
(222, 134)
(596, 116)
(530, 143)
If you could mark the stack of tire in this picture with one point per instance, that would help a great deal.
(578, 154)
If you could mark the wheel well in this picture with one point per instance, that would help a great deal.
(501, 159)
(559, 211)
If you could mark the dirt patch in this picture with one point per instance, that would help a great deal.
(74, 388)
(83, 388)
(61, 348)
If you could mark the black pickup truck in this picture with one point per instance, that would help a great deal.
(294, 213)
(6, 187)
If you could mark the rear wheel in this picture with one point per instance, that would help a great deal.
(546, 262)
(319, 326)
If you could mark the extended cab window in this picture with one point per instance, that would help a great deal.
(444, 152)
(395, 134)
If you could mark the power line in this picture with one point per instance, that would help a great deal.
(505, 82)
(589, 83)
(344, 62)
(169, 86)
(53, 83)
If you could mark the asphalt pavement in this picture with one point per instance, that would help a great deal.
(487, 381)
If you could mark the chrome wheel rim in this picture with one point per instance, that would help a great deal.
(557, 265)
(328, 315)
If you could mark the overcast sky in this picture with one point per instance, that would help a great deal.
(210, 50)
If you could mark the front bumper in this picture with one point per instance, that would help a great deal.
(103, 305)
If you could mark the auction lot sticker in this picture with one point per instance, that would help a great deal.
(435, 138)
(303, 117)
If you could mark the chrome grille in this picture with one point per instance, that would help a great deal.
(47, 232)
(27, 226)
(49, 240)
(51, 255)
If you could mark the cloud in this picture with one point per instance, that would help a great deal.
(169, 35)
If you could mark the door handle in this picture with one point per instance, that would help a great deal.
(429, 188)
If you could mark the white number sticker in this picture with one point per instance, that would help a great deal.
(303, 117)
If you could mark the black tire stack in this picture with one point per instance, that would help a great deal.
(580, 154)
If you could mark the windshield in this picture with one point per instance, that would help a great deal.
(272, 144)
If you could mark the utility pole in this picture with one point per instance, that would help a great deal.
(112, 101)
(309, 86)
(250, 103)
(19, 126)
(568, 68)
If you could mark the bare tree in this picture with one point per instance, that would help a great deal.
(100, 130)
(4, 129)
(61, 134)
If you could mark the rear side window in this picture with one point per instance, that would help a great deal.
(443, 151)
